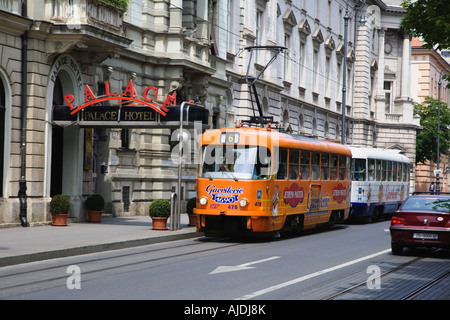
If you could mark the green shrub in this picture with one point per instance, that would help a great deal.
(59, 204)
(159, 208)
(95, 202)
(190, 205)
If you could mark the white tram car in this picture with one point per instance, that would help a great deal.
(380, 182)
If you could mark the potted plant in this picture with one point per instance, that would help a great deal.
(95, 205)
(59, 208)
(159, 211)
(190, 211)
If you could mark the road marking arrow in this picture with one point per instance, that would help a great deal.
(240, 267)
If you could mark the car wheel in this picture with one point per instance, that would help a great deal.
(396, 248)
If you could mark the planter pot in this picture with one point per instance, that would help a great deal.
(159, 223)
(95, 216)
(59, 219)
(192, 219)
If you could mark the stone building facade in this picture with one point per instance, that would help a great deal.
(303, 88)
(428, 66)
(50, 49)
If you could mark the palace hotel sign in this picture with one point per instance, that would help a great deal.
(129, 109)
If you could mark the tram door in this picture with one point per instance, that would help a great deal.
(314, 197)
(313, 205)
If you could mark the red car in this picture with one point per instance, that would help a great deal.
(421, 221)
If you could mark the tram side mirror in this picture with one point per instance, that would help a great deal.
(103, 167)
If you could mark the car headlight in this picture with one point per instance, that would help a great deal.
(203, 200)
(243, 202)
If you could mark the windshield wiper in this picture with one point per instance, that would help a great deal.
(205, 173)
(232, 175)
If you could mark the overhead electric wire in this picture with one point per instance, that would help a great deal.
(285, 55)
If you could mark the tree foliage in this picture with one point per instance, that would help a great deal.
(429, 20)
(426, 140)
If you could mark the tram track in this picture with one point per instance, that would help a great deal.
(407, 295)
(430, 285)
(50, 273)
(363, 284)
(420, 275)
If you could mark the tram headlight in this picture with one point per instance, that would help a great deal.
(203, 200)
(243, 202)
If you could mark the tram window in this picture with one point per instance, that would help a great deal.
(325, 164)
(404, 171)
(315, 166)
(304, 165)
(389, 170)
(334, 167)
(293, 164)
(349, 171)
(371, 169)
(377, 170)
(394, 171)
(359, 169)
(342, 166)
(383, 170)
(282, 164)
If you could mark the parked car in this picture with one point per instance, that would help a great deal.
(421, 221)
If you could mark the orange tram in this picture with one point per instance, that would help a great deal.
(260, 181)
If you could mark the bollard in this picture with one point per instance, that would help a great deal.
(174, 214)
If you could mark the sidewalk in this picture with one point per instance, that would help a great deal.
(22, 245)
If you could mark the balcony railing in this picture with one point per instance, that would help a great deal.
(104, 14)
(394, 118)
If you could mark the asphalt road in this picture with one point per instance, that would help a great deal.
(343, 262)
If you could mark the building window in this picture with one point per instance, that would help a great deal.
(126, 198)
(387, 88)
(316, 70)
(125, 138)
(301, 58)
(327, 76)
(258, 33)
(339, 81)
(286, 58)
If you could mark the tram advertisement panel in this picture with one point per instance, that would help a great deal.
(379, 192)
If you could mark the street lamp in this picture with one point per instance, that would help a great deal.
(358, 4)
(438, 187)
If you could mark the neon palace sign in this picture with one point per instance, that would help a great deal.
(128, 98)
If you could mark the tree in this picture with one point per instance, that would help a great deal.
(429, 20)
(426, 140)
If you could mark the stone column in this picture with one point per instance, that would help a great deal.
(406, 66)
(175, 16)
(379, 98)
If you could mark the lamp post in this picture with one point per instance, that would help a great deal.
(358, 4)
(344, 74)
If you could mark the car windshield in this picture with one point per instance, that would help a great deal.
(439, 204)
(235, 162)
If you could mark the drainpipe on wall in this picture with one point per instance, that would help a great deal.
(23, 182)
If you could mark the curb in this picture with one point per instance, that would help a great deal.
(62, 253)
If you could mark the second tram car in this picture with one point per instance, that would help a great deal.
(380, 182)
(261, 181)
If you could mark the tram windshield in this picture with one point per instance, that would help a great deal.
(235, 162)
